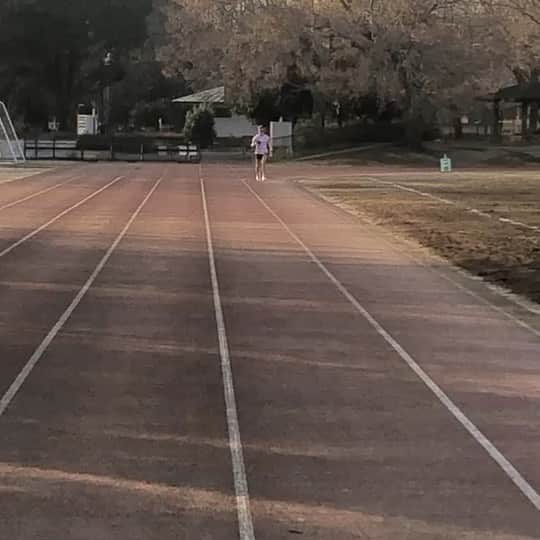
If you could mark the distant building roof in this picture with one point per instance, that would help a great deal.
(214, 95)
(518, 93)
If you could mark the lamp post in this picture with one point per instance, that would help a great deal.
(107, 63)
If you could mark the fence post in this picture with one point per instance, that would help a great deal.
(36, 142)
(141, 155)
(54, 147)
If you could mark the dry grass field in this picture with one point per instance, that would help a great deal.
(486, 221)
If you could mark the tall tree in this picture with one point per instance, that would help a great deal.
(52, 49)
(421, 56)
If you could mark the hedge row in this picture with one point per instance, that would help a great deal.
(316, 137)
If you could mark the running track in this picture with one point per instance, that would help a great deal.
(187, 356)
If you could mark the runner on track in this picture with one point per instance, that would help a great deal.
(262, 143)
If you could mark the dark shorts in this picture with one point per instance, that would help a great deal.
(260, 157)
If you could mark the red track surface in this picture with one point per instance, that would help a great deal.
(117, 427)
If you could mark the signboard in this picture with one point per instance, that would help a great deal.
(54, 125)
(446, 164)
(87, 124)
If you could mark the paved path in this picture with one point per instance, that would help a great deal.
(187, 356)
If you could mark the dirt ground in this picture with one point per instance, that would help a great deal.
(487, 222)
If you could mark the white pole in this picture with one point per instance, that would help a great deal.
(3, 107)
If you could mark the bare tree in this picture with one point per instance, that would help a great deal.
(425, 56)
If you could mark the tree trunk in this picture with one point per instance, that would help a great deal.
(458, 128)
(533, 119)
(62, 111)
(496, 132)
(524, 121)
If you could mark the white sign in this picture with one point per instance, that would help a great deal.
(87, 124)
(54, 125)
(446, 164)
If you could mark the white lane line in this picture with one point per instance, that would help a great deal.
(519, 224)
(245, 521)
(42, 192)
(8, 397)
(452, 203)
(523, 485)
(391, 241)
(480, 213)
(58, 216)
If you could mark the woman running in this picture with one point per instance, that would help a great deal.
(262, 143)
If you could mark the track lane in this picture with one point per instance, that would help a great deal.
(120, 430)
(18, 188)
(341, 438)
(39, 277)
(487, 361)
(38, 213)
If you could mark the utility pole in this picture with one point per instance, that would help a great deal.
(107, 63)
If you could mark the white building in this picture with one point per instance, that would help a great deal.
(227, 122)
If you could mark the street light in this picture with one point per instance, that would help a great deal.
(107, 63)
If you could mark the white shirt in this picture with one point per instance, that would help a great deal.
(261, 142)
